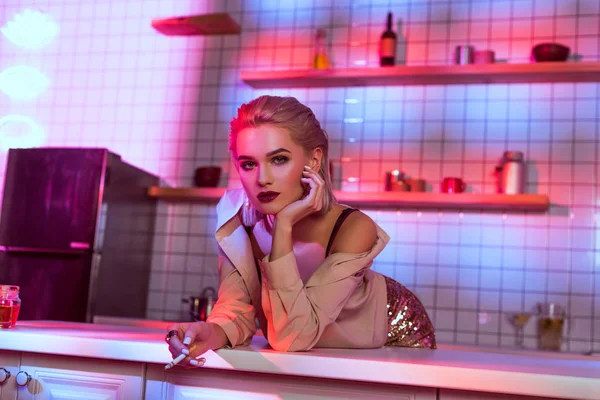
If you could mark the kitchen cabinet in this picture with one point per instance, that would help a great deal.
(9, 361)
(61, 377)
(179, 384)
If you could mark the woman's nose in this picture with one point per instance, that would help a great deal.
(264, 176)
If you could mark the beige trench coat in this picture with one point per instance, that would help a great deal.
(343, 304)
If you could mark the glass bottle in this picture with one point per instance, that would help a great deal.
(321, 60)
(387, 45)
(10, 304)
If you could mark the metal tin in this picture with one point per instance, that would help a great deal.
(484, 57)
(464, 55)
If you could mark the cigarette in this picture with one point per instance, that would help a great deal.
(178, 359)
(175, 361)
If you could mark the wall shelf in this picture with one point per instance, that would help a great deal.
(207, 24)
(427, 75)
(191, 194)
(462, 201)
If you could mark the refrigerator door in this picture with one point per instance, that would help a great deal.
(53, 286)
(51, 198)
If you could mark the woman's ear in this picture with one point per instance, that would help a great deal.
(316, 158)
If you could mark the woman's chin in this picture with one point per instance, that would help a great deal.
(268, 208)
(272, 207)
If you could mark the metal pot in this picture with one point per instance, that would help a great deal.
(201, 307)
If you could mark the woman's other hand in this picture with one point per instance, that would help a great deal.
(310, 203)
(195, 339)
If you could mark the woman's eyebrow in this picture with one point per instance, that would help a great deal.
(269, 154)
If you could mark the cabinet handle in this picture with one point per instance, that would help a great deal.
(23, 378)
(4, 375)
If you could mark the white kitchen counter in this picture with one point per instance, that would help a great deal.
(452, 367)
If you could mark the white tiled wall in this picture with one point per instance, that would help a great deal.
(164, 104)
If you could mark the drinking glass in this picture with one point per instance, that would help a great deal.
(518, 321)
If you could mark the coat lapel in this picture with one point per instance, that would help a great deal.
(234, 241)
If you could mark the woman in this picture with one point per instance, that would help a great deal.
(291, 256)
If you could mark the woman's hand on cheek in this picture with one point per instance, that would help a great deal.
(308, 204)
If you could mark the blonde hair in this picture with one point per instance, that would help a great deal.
(304, 129)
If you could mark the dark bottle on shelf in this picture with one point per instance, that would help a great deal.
(387, 45)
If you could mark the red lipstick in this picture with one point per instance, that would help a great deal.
(266, 197)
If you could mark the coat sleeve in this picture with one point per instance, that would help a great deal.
(297, 315)
(233, 310)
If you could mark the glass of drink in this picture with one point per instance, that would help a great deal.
(10, 304)
(550, 326)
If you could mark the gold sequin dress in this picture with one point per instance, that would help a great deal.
(408, 322)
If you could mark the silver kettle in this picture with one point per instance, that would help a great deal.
(201, 307)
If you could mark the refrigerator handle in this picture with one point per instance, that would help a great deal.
(42, 250)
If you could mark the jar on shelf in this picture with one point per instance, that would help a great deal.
(10, 305)
(511, 173)
(396, 182)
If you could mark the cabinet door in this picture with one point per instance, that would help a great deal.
(68, 378)
(9, 360)
(207, 383)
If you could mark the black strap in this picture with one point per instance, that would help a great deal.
(338, 223)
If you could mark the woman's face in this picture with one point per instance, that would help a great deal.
(269, 161)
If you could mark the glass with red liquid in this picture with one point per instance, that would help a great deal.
(10, 304)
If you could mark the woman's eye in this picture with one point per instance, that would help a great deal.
(247, 165)
(280, 160)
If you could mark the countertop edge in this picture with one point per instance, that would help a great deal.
(257, 359)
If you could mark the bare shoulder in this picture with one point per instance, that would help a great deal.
(357, 234)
